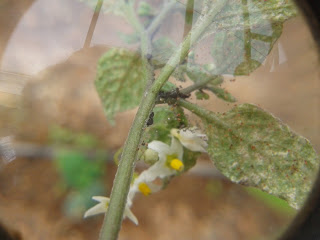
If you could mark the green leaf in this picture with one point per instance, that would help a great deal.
(222, 93)
(245, 32)
(189, 159)
(271, 201)
(120, 81)
(200, 95)
(168, 87)
(254, 148)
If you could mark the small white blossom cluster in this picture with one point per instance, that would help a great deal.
(170, 163)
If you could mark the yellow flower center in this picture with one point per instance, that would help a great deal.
(144, 189)
(176, 164)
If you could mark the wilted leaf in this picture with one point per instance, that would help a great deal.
(120, 81)
(244, 33)
(256, 149)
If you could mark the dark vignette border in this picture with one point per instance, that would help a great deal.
(306, 225)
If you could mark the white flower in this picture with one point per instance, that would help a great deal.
(142, 186)
(170, 160)
(102, 207)
(191, 139)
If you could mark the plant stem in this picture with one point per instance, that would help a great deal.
(93, 24)
(199, 85)
(203, 113)
(112, 222)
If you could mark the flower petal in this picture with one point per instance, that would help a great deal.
(101, 199)
(161, 148)
(191, 139)
(97, 209)
(159, 169)
(129, 214)
(176, 148)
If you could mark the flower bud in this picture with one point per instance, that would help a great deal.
(150, 156)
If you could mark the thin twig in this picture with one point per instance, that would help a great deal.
(93, 24)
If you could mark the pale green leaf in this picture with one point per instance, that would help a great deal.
(245, 32)
(120, 80)
(254, 148)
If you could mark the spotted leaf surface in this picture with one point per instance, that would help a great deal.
(120, 81)
(244, 33)
(254, 148)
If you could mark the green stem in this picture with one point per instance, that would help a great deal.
(188, 18)
(112, 222)
(247, 31)
(200, 84)
(203, 113)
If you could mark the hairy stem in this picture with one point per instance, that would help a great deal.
(112, 222)
(201, 112)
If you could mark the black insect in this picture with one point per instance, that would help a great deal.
(150, 120)
(173, 95)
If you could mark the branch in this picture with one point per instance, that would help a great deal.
(199, 85)
(112, 222)
(203, 113)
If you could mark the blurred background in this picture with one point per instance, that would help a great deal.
(57, 146)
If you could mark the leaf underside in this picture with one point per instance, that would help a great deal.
(120, 81)
(245, 32)
(256, 149)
